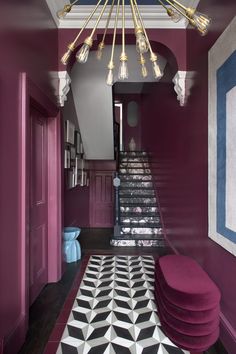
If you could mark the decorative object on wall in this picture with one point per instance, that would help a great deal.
(222, 142)
(183, 82)
(61, 84)
(132, 145)
(175, 10)
(69, 132)
(67, 158)
(133, 114)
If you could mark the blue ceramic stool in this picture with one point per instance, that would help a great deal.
(71, 246)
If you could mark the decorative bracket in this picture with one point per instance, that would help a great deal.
(61, 84)
(183, 81)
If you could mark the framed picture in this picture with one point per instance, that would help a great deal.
(77, 142)
(69, 132)
(221, 140)
(72, 152)
(67, 158)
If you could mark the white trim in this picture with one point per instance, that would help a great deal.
(154, 16)
(61, 83)
(183, 82)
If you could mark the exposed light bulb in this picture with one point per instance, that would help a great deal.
(110, 78)
(144, 70)
(83, 53)
(156, 70)
(123, 70)
(66, 56)
(174, 15)
(141, 43)
(62, 13)
(100, 50)
(202, 22)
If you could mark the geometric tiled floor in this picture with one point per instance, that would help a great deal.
(114, 311)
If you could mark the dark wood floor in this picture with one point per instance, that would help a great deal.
(45, 310)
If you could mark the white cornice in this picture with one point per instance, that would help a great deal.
(61, 84)
(154, 16)
(183, 82)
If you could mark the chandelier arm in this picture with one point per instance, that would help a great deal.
(136, 24)
(180, 5)
(177, 9)
(99, 18)
(165, 7)
(108, 20)
(123, 26)
(114, 33)
(74, 2)
(86, 22)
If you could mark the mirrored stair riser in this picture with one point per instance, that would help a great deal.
(135, 177)
(134, 165)
(140, 220)
(139, 209)
(134, 171)
(133, 153)
(129, 193)
(137, 201)
(141, 230)
(134, 159)
(138, 243)
(136, 184)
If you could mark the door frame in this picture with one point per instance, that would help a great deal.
(28, 92)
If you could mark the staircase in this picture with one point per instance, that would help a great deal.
(139, 218)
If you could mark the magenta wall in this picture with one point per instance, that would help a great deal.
(29, 44)
(178, 138)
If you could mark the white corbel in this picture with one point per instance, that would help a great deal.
(61, 84)
(183, 82)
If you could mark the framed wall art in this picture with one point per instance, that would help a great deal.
(222, 141)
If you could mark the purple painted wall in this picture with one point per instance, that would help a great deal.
(178, 139)
(29, 44)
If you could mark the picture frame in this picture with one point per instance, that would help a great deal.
(67, 159)
(72, 153)
(78, 142)
(69, 132)
(221, 140)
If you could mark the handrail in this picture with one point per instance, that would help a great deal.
(116, 184)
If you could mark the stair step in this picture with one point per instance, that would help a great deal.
(136, 184)
(134, 165)
(133, 153)
(134, 209)
(134, 159)
(143, 193)
(140, 220)
(136, 177)
(141, 230)
(135, 171)
(129, 242)
(145, 201)
(141, 215)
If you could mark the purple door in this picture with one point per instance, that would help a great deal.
(101, 200)
(38, 244)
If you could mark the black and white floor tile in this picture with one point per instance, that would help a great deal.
(115, 312)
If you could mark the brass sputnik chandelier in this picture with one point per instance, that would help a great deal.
(175, 11)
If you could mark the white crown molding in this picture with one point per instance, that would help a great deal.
(183, 82)
(154, 16)
(61, 84)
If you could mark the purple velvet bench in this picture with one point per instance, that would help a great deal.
(187, 303)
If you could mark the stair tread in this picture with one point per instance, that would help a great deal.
(131, 214)
(140, 237)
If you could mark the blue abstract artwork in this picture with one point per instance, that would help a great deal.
(226, 135)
